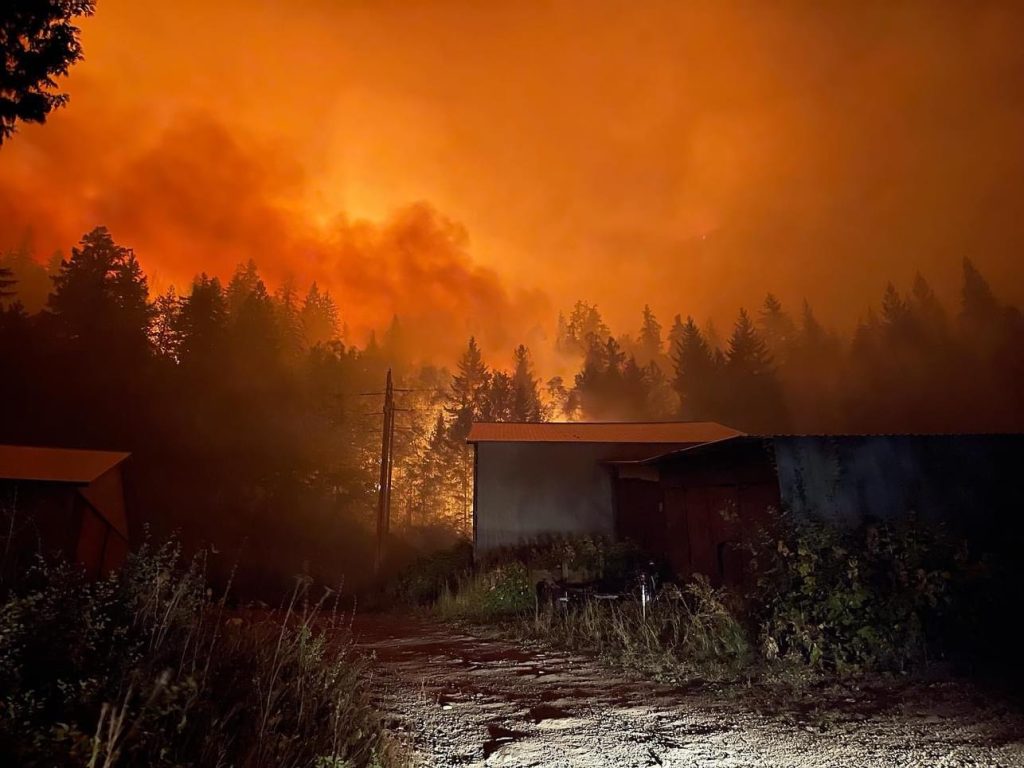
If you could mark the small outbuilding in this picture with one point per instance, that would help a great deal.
(63, 501)
(537, 479)
(688, 492)
(709, 495)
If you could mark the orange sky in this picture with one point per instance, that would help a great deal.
(474, 166)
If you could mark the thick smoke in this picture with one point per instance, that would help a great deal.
(687, 155)
(199, 198)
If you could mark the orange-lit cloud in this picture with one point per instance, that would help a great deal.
(687, 155)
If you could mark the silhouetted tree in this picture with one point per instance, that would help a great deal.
(468, 396)
(526, 404)
(650, 336)
(202, 322)
(287, 319)
(319, 317)
(583, 328)
(7, 282)
(165, 329)
(100, 297)
(243, 282)
(752, 391)
(697, 374)
(38, 43)
(776, 327)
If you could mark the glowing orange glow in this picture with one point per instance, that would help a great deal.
(466, 165)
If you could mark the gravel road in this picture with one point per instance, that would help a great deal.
(463, 700)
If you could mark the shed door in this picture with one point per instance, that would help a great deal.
(677, 531)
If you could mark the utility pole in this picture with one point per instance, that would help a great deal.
(387, 459)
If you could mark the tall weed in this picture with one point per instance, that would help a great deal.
(146, 668)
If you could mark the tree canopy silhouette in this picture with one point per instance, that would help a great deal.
(38, 43)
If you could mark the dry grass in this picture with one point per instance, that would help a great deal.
(147, 668)
(682, 634)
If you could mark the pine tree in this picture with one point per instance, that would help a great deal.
(319, 317)
(584, 327)
(752, 390)
(748, 353)
(526, 404)
(499, 399)
(776, 327)
(165, 332)
(631, 400)
(650, 335)
(100, 296)
(241, 286)
(7, 282)
(395, 345)
(696, 374)
(812, 334)
(202, 322)
(929, 313)
(287, 318)
(976, 295)
(675, 334)
(467, 398)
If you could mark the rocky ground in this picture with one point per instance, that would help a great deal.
(463, 700)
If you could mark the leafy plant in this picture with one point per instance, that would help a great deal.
(854, 600)
(145, 668)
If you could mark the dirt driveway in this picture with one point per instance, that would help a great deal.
(463, 700)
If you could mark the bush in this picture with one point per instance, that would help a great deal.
(877, 598)
(576, 558)
(146, 669)
(500, 591)
(422, 581)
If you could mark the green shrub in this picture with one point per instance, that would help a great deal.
(499, 591)
(421, 582)
(146, 669)
(575, 558)
(846, 601)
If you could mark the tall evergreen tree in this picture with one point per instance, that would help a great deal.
(696, 374)
(165, 332)
(7, 282)
(100, 296)
(499, 400)
(776, 327)
(467, 399)
(38, 43)
(202, 321)
(319, 317)
(526, 403)
(241, 286)
(650, 335)
(675, 335)
(584, 327)
(287, 318)
(752, 390)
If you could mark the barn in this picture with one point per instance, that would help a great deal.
(536, 479)
(688, 491)
(71, 502)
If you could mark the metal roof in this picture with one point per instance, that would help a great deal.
(659, 432)
(56, 465)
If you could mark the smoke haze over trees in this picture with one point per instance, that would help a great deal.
(254, 424)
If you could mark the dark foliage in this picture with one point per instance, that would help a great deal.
(146, 669)
(38, 43)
